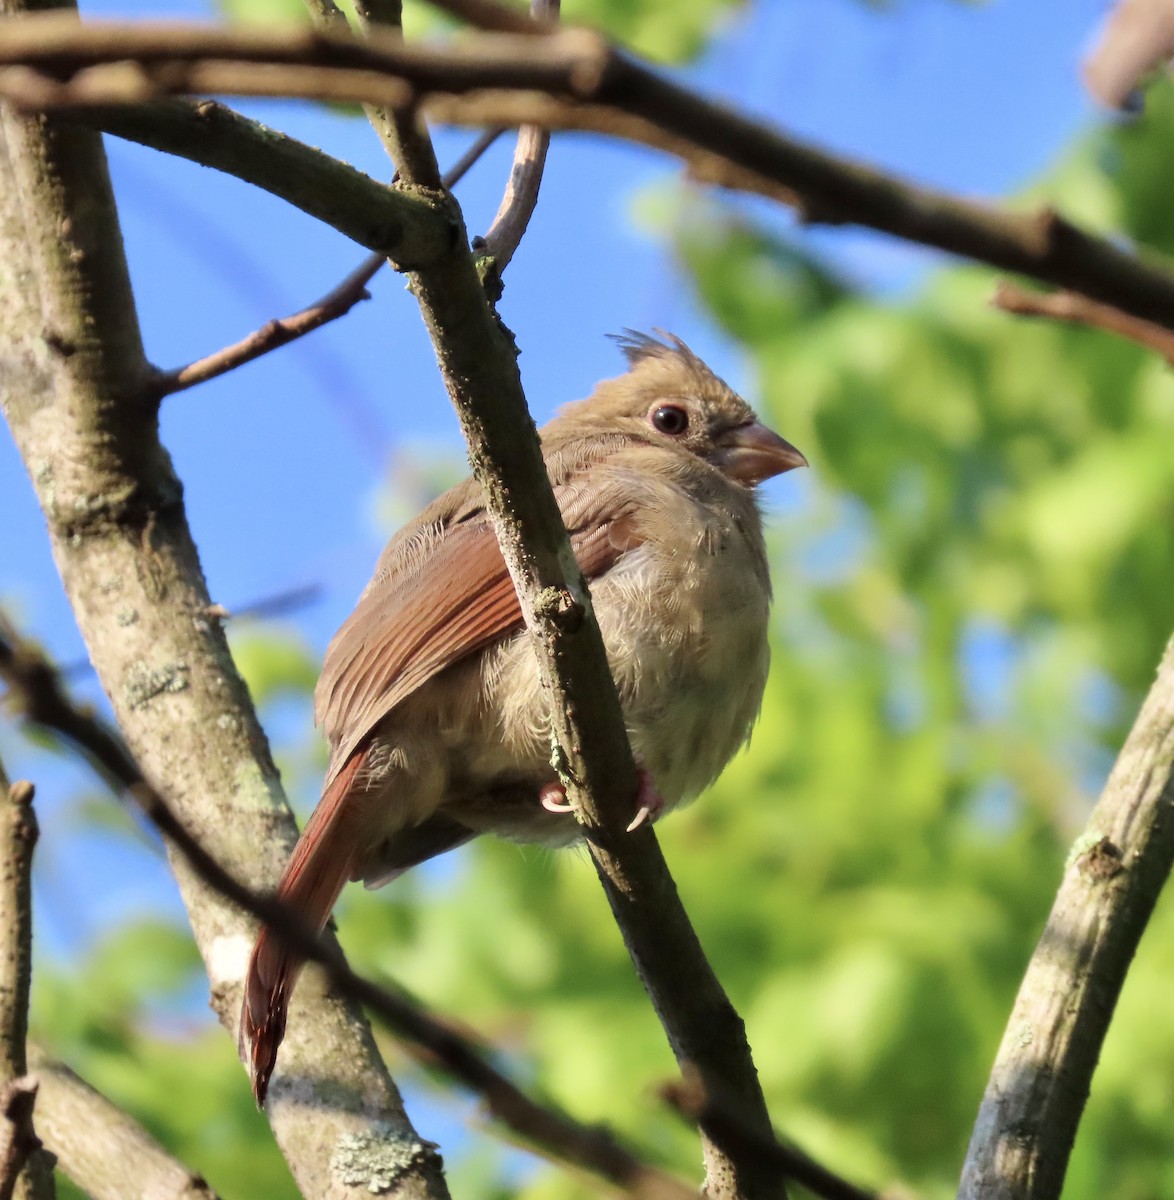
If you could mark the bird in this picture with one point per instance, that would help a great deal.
(430, 696)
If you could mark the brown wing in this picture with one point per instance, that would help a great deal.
(442, 593)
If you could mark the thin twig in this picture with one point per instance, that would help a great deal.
(568, 79)
(552, 1132)
(1027, 1122)
(282, 330)
(1076, 309)
(521, 193)
(273, 334)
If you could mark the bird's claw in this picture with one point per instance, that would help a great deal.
(649, 800)
(650, 803)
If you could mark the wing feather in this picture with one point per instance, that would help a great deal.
(442, 593)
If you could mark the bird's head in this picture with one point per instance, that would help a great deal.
(668, 396)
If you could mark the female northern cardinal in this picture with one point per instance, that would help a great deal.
(430, 695)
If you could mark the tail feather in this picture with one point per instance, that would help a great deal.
(321, 864)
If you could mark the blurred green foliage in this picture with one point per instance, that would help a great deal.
(973, 589)
(662, 30)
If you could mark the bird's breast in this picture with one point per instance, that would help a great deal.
(684, 620)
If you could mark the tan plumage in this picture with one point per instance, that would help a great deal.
(429, 695)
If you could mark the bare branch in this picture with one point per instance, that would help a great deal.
(400, 127)
(36, 687)
(396, 223)
(1028, 1118)
(20, 1148)
(273, 334)
(521, 193)
(1076, 309)
(103, 1149)
(281, 331)
(18, 836)
(569, 79)
(498, 18)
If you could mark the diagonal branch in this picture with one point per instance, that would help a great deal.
(114, 511)
(395, 223)
(37, 689)
(102, 1148)
(690, 1096)
(282, 330)
(1028, 1118)
(273, 334)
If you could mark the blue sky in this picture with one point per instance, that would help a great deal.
(285, 461)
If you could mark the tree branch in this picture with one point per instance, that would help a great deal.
(273, 334)
(281, 331)
(104, 1150)
(23, 1162)
(70, 342)
(1028, 1118)
(1076, 309)
(401, 129)
(521, 193)
(19, 1143)
(567, 79)
(37, 688)
(395, 223)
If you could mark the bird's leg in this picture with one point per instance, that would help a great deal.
(649, 802)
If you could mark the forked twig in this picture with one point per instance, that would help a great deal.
(280, 331)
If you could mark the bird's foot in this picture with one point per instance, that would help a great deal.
(649, 802)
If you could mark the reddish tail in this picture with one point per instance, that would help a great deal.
(320, 866)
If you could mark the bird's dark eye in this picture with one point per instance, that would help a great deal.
(669, 418)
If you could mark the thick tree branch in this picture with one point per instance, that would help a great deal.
(1076, 309)
(104, 1150)
(36, 688)
(75, 369)
(1027, 1122)
(567, 79)
(395, 223)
